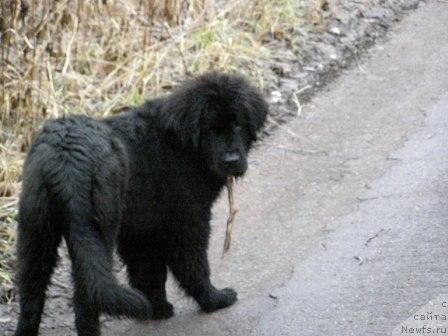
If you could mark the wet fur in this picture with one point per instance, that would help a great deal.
(143, 182)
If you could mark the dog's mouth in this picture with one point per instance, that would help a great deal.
(235, 170)
(237, 173)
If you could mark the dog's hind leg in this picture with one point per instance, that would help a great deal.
(86, 315)
(37, 244)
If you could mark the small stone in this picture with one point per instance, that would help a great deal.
(335, 31)
(276, 97)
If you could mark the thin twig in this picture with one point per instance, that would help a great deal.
(294, 135)
(69, 46)
(359, 259)
(59, 284)
(373, 237)
(298, 104)
(360, 67)
(232, 213)
(300, 150)
(296, 100)
(179, 49)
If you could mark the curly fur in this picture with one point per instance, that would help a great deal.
(143, 182)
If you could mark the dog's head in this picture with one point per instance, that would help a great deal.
(219, 115)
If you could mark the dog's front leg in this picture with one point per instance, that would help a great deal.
(187, 259)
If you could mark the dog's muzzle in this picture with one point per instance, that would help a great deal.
(233, 163)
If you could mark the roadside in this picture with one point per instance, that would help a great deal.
(350, 29)
(327, 154)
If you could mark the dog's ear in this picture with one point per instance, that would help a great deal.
(183, 120)
(188, 128)
(256, 111)
(181, 112)
(196, 138)
(250, 100)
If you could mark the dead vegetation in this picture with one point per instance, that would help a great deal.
(96, 57)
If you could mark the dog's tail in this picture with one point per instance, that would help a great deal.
(91, 211)
(92, 267)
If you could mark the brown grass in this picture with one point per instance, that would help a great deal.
(95, 57)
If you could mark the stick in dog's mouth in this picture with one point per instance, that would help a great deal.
(232, 212)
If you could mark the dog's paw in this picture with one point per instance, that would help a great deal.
(162, 311)
(220, 299)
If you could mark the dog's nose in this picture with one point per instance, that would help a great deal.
(231, 157)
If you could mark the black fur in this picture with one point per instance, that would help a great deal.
(144, 180)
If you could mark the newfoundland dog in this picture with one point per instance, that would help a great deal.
(144, 182)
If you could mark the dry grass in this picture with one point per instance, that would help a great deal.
(95, 57)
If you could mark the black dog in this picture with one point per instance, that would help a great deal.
(144, 180)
